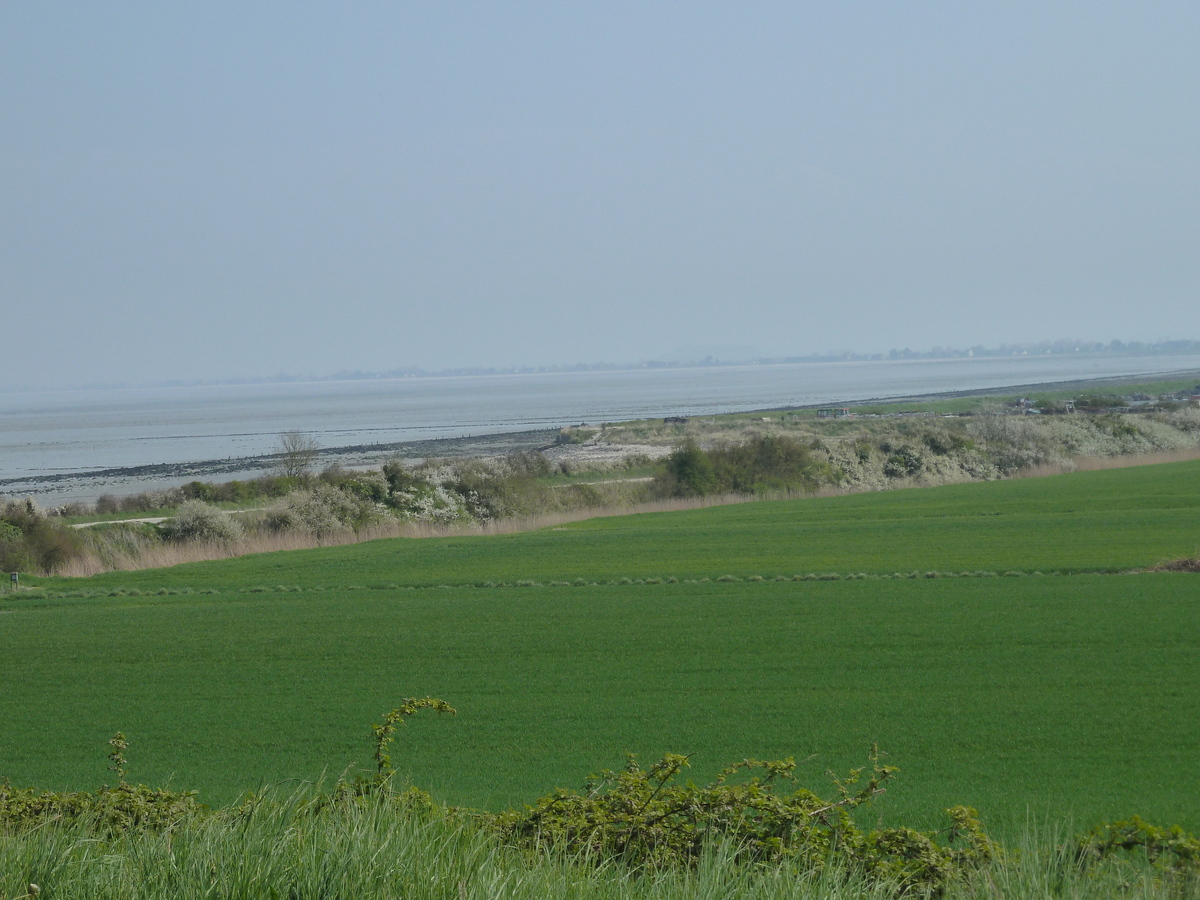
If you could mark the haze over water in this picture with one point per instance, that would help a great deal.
(79, 431)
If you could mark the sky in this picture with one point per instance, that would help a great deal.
(217, 190)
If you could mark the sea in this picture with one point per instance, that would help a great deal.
(80, 431)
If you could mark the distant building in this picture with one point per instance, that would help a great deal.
(832, 412)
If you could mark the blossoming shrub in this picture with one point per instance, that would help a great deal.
(321, 509)
(197, 521)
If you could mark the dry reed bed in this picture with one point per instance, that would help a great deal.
(1096, 463)
(173, 554)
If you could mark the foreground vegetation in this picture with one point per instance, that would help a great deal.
(297, 844)
(748, 830)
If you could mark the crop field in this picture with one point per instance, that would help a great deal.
(1035, 681)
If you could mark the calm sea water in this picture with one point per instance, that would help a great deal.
(80, 431)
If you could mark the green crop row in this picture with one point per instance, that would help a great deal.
(1051, 695)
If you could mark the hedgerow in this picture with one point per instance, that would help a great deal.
(643, 820)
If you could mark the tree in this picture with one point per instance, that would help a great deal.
(296, 452)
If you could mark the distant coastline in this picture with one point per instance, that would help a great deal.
(1078, 349)
(57, 487)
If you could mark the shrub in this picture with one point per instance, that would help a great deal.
(1171, 847)
(943, 444)
(763, 463)
(370, 486)
(320, 510)
(110, 810)
(646, 819)
(195, 520)
(29, 542)
(199, 490)
(483, 490)
(687, 472)
(767, 463)
(398, 477)
(904, 463)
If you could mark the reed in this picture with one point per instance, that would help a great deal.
(1096, 463)
(161, 555)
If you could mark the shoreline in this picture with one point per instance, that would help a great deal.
(66, 487)
(85, 486)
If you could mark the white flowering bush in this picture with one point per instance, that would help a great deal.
(1012, 443)
(321, 509)
(195, 520)
(428, 501)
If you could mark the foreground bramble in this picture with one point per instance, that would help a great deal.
(647, 820)
(640, 821)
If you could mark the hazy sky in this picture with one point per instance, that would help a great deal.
(192, 190)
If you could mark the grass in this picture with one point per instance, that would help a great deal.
(1052, 694)
(100, 518)
(157, 512)
(949, 406)
(1056, 695)
(599, 476)
(369, 850)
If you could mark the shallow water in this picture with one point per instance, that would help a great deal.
(78, 431)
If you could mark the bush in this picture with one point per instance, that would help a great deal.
(505, 489)
(944, 444)
(904, 463)
(767, 463)
(687, 472)
(238, 491)
(195, 520)
(764, 463)
(29, 542)
(199, 490)
(321, 509)
(1171, 847)
(370, 486)
(647, 820)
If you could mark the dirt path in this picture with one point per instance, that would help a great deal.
(153, 520)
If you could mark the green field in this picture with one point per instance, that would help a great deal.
(1045, 694)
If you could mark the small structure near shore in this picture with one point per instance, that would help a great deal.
(834, 412)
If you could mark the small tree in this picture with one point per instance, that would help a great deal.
(296, 451)
(688, 472)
